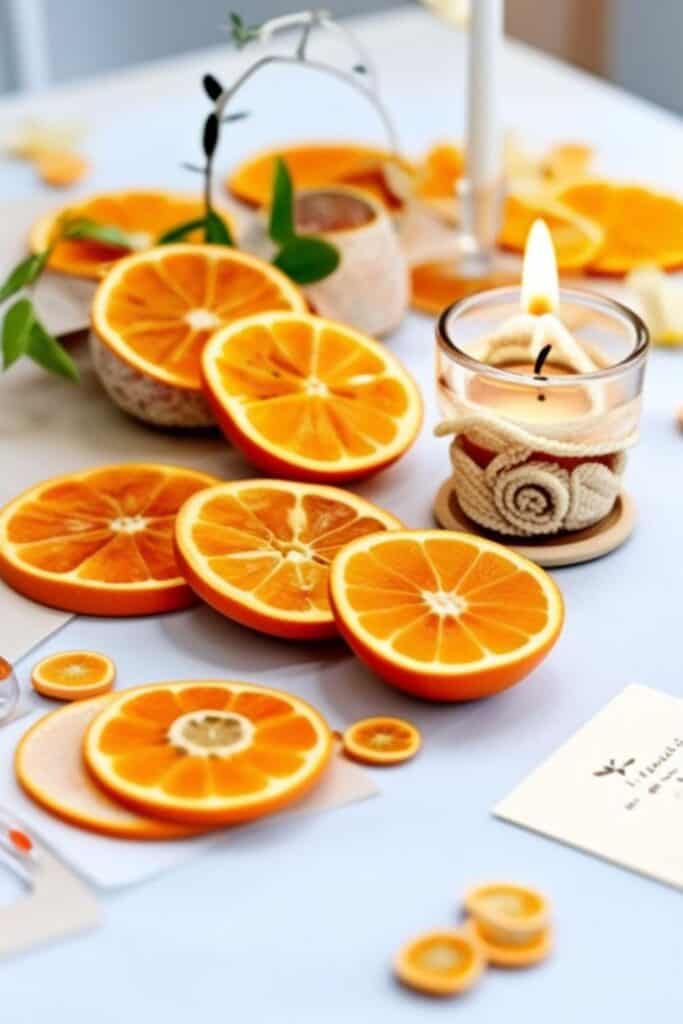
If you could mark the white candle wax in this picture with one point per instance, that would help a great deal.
(484, 140)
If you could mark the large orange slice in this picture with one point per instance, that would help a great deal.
(446, 616)
(209, 753)
(577, 238)
(310, 399)
(100, 541)
(259, 550)
(49, 767)
(641, 226)
(316, 165)
(154, 312)
(144, 214)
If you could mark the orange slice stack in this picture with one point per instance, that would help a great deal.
(153, 314)
(207, 753)
(446, 616)
(143, 214)
(100, 541)
(309, 399)
(259, 550)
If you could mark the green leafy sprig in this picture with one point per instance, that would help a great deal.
(303, 258)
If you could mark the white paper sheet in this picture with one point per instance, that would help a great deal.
(615, 788)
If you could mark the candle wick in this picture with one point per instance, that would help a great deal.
(540, 360)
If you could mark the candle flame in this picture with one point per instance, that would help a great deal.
(540, 285)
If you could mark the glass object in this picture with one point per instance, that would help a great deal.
(9, 691)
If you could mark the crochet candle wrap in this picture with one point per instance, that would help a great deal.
(528, 488)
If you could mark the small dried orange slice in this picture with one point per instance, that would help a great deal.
(259, 550)
(316, 165)
(100, 541)
(508, 913)
(641, 227)
(144, 214)
(61, 168)
(207, 753)
(440, 963)
(49, 767)
(381, 740)
(74, 675)
(445, 616)
(310, 399)
(523, 953)
(154, 312)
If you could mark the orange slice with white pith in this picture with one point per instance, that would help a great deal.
(207, 752)
(73, 675)
(143, 214)
(310, 399)
(100, 541)
(381, 740)
(443, 962)
(259, 550)
(49, 767)
(154, 312)
(445, 616)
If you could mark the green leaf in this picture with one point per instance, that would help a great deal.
(281, 224)
(216, 230)
(106, 234)
(181, 231)
(16, 331)
(48, 353)
(307, 259)
(24, 274)
(240, 32)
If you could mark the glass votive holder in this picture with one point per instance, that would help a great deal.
(541, 408)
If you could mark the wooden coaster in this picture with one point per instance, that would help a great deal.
(549, 552)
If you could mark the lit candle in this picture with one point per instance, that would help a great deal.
(484, 141)
(537, 344)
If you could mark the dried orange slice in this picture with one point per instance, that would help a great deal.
(315, 165)
(446, 616)
(577, 238)
(145, 214)
(61, 168)
(381, 740)
(523, 953)
(49, 766)
(442, 962)
(154, 312)
(507, 913)
(74, 675)
(207, 753)
(641, 226)
(100, 541)
(259, 550)
(310, 399)
(437, 174)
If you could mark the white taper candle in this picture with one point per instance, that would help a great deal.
(484, 136)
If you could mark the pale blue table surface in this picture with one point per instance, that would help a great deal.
(300, 923)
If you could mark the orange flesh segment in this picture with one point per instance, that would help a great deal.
(113, 525)
(164, 309)
(139, 748)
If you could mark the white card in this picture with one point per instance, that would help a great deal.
(615, 788)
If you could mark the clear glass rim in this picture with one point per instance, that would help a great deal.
(592, 300)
